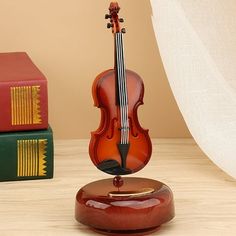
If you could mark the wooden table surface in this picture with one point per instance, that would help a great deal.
(205, 197)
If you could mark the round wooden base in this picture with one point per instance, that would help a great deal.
(138, 207)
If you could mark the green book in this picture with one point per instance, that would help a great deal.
(26, 155)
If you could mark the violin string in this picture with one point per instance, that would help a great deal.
(120, 87)
(127, 104)
(125, 91)
(121, 92)
(118, 76)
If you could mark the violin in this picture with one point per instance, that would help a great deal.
(119, 146)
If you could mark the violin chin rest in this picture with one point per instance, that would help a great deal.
(113, 167)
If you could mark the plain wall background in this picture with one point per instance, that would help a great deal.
(69, 42)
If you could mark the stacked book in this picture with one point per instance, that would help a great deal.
(26, 140)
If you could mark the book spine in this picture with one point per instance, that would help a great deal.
(23, 105)
(26, 155)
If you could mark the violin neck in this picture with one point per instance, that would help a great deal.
(119, 50)
(120, 68)
(122, 97)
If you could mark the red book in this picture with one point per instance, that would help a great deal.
(23, 94)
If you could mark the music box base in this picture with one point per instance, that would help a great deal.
(138, 207)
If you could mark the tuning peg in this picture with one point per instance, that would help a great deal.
(107, 16)
(121, 20)
(123, 30)
(109, 25)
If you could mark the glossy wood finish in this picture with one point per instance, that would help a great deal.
(103, 144)
(120, 145)
(124, 214)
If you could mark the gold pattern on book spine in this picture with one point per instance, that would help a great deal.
(25, 105)
(31, 157)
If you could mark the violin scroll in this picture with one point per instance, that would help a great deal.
(114, 18)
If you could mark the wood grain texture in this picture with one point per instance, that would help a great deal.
(205, 197)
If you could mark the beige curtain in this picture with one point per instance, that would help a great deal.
(197, 42)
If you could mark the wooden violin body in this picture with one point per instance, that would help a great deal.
(120, 145)
(104, 141)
